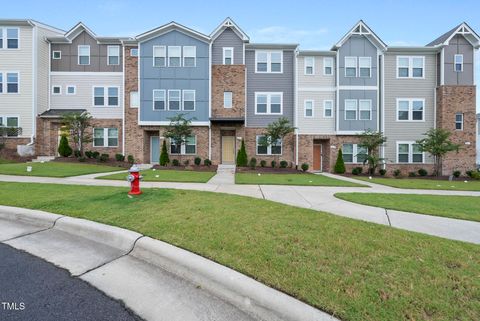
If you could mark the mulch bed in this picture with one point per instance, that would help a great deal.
(11, 155)
(440, 178)
(211, 168)
(269, 170)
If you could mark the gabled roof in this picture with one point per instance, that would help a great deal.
(170, 27)
(361, 28)
(229, 23)
(77, 30)
(30, 22)
(278, 46)
(462, 29)
(80, 27)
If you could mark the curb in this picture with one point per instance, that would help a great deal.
(31, 217)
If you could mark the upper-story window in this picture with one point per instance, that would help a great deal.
(11, 35)
(458, 63)
(174, 99)
(56, 90)
(227, 99)
(134, 52)
(410, 109)
(350, 109)
(365, 109)
(105, 96)
(159, 56)
(308, 105)
(350, 66)
(269, 61)
(159, 99)
(328, 108)
(56, 55)
(189, 56)
(174, 56)
(268, 103)
(113, 53)
(84, 55)
(410, 67)
(12, 82)
(134, 99)
(228, 56)
(1, 83)
(458, 121)
(188, 100)
(327, 66)
(309, 65)
(71, 90)
(365, 66)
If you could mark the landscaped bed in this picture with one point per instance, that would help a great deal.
(460, 207)
(299, 178)
(353, 269)
(165, 175)
(425, 183)
(54, 169)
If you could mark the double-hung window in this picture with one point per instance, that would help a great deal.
(458, 63)
(275, 148)
(268, 103)
(189, 56)
(189, 147)
(309, 65)
(365, 66)
(328, 108)
(105, 137)
(350, 109)
(409, 152)
(11, 35)
(112, 96)
(410, 109)
(353, 153)
(327, 66)
(228, 56)
(364, 109)
(12, 125)
(84, 55)
(308, 105)
(105, 96)
(410, 67)
(159, 99)
(188, 100)
(113, 53)
(458, 121)
(269, 61)
(174, 99)
(159, 56)
(12, 82)
(174, 56)
(350, 66)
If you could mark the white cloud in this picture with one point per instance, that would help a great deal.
(305, 37)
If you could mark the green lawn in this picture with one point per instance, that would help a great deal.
(291, 179)
(461, 207)
(6, 161)
(54, 169)
(167, 176)
(425, 183)
(356, 270)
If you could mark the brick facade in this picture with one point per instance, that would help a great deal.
(288, 147)
(228, 78)
(13, 142)
(218, 131)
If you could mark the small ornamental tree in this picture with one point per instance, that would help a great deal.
(164, 159)
(77, 124)
(63, 148)
(371, 141)
(242, 159)
(179, 130)
(340, 164)
(275, 133)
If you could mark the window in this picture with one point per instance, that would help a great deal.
(174, 99)
(347, 153)
(365, 109)
(11, 34)
(458, 63)
(84, 55)
(353, 153)
(71, 90)
(112, 96)
(273, 149)
(268, 103)
(410, 67)
(188, 100)
(174, 56)
(10, 122)
(1, 42)
(328, 108)
(227, 99)
(269, 61)
(99, 98)
(350, 109)
(174, 148)
(56, 54)
(327, 66)
(189, 56)
(350, 67)
(459, 121)
(159, 56)
(308, 105)
(228, 56)
(365, 66)
(105, 137)
(309, 65)
(56, 90)
(113, 53)
(1, 83)
(188, 148)
(159, 99)
(409, 109)
(12, 82)
(134, 52)
(135, 99)
(409, 152)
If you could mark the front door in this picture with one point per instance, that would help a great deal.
(154, 149)
(317, 157)
(228, 149)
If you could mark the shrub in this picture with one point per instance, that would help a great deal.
(119, 157)
(88, 153)
(175, 162)
(283, 164)
(207, 162)
(252, 163)
(456, 174)
(469, 173)
(476, 175)
(63, 148)
(412, 174)
(197, 161)
(186, 162)
(273, 163)
(357, 170)
(81, 159)
(103, 158)
(305, 167)
(382, 172)
(242, 158)
(130, 159)
(95, 154)
(263, 163)
(340, 164)
(422, 172)
(77, 153)
(397, 173)
(164, 159)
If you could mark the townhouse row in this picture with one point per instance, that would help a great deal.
(232, 89)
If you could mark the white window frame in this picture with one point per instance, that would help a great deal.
(134, 101)
(269, 61)
(331, 108)
(410, 110)
(190, 56)
(269, 148)
(183, 147)
(179, 56)
(459, 122)
(305, 108)
(345, 109)
(106, 96)
(105, 137)
(312, 65)
(179, 99)
(78, 55)
(74, 90)
(360, 109)
(229, 99)
(269, 100)
(355, 66)
(355, 153)
(132, 50)
(194, 99)
(164, 56)
(5, 83)
(410, 153)
(57, 52)
(53, 90)
(165, 99)
(224, 56)
(109, 55)
(455, 63)
(325, 59)
(410, 67)
(3, 33)
(369, 59)
(4, 121)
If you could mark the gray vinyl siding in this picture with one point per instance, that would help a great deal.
(357, 125)
(270, 82)
(407, 88)
(192, 78)
(228, 38)
(458, 45)
(98, 56)
(357, 46)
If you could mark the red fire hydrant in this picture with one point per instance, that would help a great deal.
(134, 178)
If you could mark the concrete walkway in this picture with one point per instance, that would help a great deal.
(320, 198)
(225, 175)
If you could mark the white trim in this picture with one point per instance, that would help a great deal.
(410, 152)
(331, 108)
(410, 110)
(166, 123)
(355, 153)
(231, 100)
(345, 109)
(345, 66)
(164, 99)
(132, 55)
(165, 29)
(224, 56)
(78, 55)
(5, 83)
(461, 122)
(229, 23)
(442, 67)
(269, 61)
(305, 101)
(410, 66)
(179, 56)
(154, 56)
(312, 58)
(105, 137)
(360, 109)
(269, 99)
(34, 83)
(194, 99)
(324, 66)
(318, 89)
(295, 105)
(365, 31)
(74, 90)
(86, 73)
(183, 147)
(455, 63)
(269, 148)
(194, 56)
(54, 52)
(108, 55)
(123, 99)
(53, 91)
(179, 99)
(105, 97)
(19, 125)
(369, 67)
(5, 38)
(138, 99)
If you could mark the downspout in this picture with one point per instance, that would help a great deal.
(34, 85)
(209, 100)
(295, 109)
(123, 99)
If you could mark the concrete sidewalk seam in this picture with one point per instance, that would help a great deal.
(261, 191)
(388, 217)
(35, 232)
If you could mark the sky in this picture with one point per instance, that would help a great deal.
(312, 24)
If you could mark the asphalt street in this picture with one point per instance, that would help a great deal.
(34, 290)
